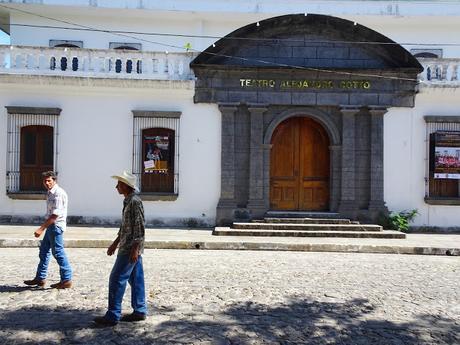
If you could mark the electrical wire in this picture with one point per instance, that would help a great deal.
(123, 34)
(259, 39)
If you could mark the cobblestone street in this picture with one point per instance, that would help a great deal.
(240, 297)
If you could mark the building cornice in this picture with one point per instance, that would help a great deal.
(42, 80)
(267, 7)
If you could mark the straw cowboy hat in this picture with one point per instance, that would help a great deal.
(128, 179)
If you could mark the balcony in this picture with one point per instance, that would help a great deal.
(129, 64)
(95, 63)
(440, 73)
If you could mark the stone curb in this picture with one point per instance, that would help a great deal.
(340, 248)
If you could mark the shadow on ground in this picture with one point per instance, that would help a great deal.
(15, 288)
(300, 321)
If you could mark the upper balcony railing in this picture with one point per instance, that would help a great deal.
(95, 63)
(440, 72)
(131, 64)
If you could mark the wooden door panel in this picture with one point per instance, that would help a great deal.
(284, 152)
(314, 166)
(284, 195)
(314, 196)
(299, 167)
(284, 192)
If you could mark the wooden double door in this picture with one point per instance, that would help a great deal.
(37, 156)
(299, 166)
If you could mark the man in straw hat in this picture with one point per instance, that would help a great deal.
(128, 265)
(53, 241)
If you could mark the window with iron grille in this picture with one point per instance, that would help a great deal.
(31, 147)
(443, 158)
(156, 151)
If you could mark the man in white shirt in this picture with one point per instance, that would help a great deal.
(53, 241)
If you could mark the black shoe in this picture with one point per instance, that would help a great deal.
(101, 321)
(134, 317)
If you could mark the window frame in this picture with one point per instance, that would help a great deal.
(65, 43)
(18, 118)
(146, 119)
(125, 46)
(433, 53)
(433, 124)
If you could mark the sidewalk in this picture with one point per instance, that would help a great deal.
(13, 236)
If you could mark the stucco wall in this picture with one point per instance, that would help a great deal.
(406, 153)
(96, 141)
(417, 26)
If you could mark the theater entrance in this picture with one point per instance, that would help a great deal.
(299, 166)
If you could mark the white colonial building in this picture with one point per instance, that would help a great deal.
(225, 110)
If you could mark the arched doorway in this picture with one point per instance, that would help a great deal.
(297, 63)
(299, 166)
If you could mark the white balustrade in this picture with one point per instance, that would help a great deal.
(97, 63)
(440, 72)
(110, 63)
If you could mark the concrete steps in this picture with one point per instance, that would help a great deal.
(305, 221)
(307, 227)
(301, 214)
(305, 224)
(227, 231)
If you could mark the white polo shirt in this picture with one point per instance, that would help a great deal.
(56, 203)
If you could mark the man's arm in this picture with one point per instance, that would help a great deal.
(58, 206)
(134, 254)
(138, 228)
(51, 220)
(113, 246)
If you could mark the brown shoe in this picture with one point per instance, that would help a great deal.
(62, 285)
(35, 281)
(101, 321)
(134, 317)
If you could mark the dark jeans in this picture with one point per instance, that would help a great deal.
(53, 242)
(124, 271)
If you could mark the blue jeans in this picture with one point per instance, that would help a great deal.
(124, 271)
(53, 242)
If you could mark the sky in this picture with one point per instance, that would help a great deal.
(4, 38)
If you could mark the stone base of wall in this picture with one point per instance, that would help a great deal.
(191, 222)
(434, 229)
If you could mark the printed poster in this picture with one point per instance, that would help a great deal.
(156, 150)
(447, 155)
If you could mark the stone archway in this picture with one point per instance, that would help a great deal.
(318, 66)
(334, 139)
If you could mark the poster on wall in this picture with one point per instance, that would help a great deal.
(156, 154)
(446, 155)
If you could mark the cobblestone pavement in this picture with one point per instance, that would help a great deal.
(241, 297)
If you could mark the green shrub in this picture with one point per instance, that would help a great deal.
(400, 220)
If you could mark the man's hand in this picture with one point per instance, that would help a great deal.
(134, 254)
(113, 246)
(51, 220)
(112, 249)
(38, 232)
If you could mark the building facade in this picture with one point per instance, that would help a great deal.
(224, 113)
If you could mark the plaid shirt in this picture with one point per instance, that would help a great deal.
(132, 227)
